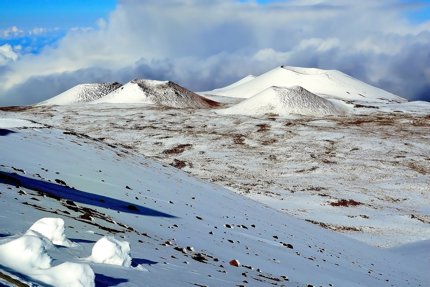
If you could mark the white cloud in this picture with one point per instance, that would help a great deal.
(203, 43)
(7, 54)
(11, 32)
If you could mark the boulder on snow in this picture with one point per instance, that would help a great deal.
(235, 263)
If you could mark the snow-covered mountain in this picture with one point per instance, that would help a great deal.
(324, 83)
(233, 85)
(163, 93)
(286, 101)
(82, 93)
(129, 221)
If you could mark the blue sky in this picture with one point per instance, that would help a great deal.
(47, 46)
(64, 14)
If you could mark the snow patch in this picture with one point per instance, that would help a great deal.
(109, 250)
(7, 123)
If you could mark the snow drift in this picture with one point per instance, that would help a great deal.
(52, 229)
(82, 94)
(324, 83)
(28, 255)
(157, 93)
(286, 101)
(109, 250)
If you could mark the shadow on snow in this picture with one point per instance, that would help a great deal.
(141, 261)
(106, 281)
(63, 192)
(5, 132)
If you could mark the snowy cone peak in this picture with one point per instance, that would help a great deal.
(325, 83)
(82, 93)
(286, 101)
(163, 93)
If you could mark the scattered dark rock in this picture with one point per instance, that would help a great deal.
(179, 164)
(345, 203)
(59, 181)
(200, 258)
(288, 245)
(177, 149)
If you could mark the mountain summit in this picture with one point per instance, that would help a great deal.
(325, 83)
(164, 93)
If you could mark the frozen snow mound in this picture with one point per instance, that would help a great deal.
(53, 230)
(162, 93)
(324, 83)
(82, 94)
(109, 250)
(27, 255)
(286, 101)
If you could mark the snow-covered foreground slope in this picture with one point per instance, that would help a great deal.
(304, 166)
(82, 94)
(156, 93)
(181, 231)
(286, 101)
(325, 83)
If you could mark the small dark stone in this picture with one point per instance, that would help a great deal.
(288, 245)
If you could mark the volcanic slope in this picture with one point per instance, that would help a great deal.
(324, 83)
(163, 93)
(182, 231)
(82, 93)
(286, 101)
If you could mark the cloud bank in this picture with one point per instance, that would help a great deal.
(204, 44)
